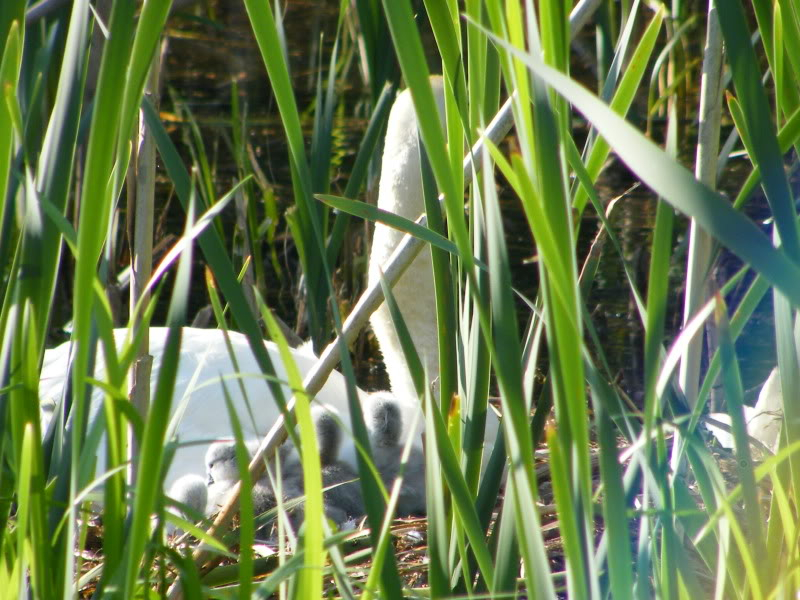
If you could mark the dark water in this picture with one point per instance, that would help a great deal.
(209, 51)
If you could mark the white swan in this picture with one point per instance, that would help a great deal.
(204, 359)
(763, 421)
(204, 365)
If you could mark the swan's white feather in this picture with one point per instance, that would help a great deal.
(204, 365)
(400, 192)
(763, 421)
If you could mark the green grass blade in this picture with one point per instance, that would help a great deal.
(358, 174)
(506, 354)
(678, 186)
(10, 64)
(623, 98)
(54, 172)
(620, 559)
(214, 252)
(415, 70)
(309, 584)
(246, 514)
(758, 120)
(310, 226)
(734, 398)
(373, 213)
(153, 440)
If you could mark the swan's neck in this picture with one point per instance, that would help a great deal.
(401, 193)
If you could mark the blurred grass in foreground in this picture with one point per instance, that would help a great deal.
(634, 496)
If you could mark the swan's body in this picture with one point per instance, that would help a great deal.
(763, 420)
(204, 366)
(204, 358)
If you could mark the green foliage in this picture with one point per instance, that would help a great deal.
(642, 506)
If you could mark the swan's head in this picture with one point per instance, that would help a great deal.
(386, 423)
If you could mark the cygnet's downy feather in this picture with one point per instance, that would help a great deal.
(387, 449)
(342, 501)
(222, 472)
(192, 492)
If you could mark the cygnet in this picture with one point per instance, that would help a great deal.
(343, 502)
(387, 450)
(222, 471)
(345, 498)
(192, 492)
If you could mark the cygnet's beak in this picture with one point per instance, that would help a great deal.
(210, 480)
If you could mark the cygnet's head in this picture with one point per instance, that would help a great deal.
(387, 423)
(329, 436)
(329, 439)
(221, 463)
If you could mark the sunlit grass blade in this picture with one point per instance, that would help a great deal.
(359, 172)
(214, 252)
(10, 63)
(755, 107)
(443, 17)
(623, 97)
(309, 584)
(378, 55)
(373, 213)
(415, 70)
(96, 204)
(678, 186)
(54, 171)
(309, 223)
(151, 21)
(246, 525)
(619, 557)
(521, 485)
(443, 284)
(438, 513)
(734, 398)
(152, 446)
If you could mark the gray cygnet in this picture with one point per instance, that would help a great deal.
(191, 491)
(222, 470)
(387, 450)
(344, 499)
(343, 502)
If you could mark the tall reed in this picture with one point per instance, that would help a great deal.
(632, 492)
